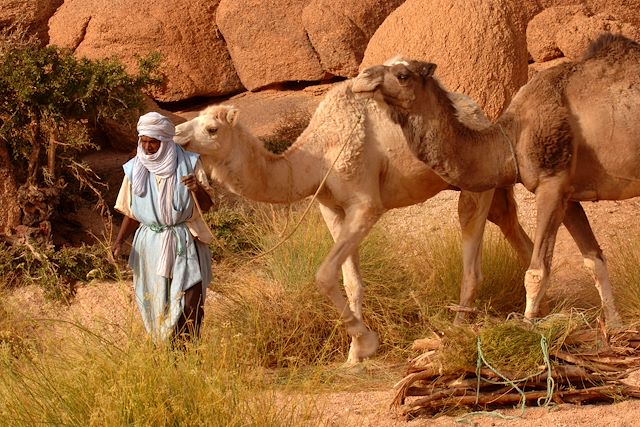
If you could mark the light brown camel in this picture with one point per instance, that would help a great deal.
(375, 172)
(571, 134)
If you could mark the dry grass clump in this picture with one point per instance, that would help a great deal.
(272, 302)
(93, 381)
(514, 347)
(625, 277)
(436, 265)
(15, 339)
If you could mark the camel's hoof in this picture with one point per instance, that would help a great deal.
(614, 324)
(365, 345)
(460, 319)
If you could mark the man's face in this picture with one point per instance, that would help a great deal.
(149, 145)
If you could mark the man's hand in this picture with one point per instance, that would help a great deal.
(190, 182)
(116, 248)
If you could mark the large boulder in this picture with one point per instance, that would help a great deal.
(268, 42)
(195, 59)
(566, 31)
(627, 11)
(479, 47)
(574, 38)
(542, 29)
(32, 14)
(339, 30)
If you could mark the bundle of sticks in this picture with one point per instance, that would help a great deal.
(606, 368)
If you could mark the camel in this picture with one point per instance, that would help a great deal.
(571, 134)
(374, 172)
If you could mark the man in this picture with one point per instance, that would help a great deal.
(162, 192)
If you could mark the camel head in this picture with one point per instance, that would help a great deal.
(207, 133)
(395, 82)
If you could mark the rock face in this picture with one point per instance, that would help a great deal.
(195, 58)
(542, 29)
(479, 47)
(33, 14)
(339, 30)
(574, 38)
(566, 31)
(267, 41)
(213, 48)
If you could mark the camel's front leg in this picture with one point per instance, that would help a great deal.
(357, 223)
(504, 213)
(351, 275)
(578, 225)
(472, 214)
(551, 200)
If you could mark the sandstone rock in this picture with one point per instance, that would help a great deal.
(33, 14)
(542, 29)
(620, 10)
(478, 46)
(576, 36)
(195, 58)
(339, 30)
(267, 42)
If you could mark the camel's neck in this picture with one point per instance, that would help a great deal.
(474, 160)
(253, 172)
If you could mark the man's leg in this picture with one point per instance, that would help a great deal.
(188, 326)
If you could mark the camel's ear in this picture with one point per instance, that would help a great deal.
(232, 116)
(426, 69)
(227, 113)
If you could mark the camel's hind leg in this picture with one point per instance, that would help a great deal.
(578, 225)
(351, 276)
(472, 214)
(551, 199)
(499, 206)
(357, 223)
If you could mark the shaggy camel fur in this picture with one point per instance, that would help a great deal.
(375, 172)
(571, 134)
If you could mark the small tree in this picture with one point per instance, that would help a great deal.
(49, 101)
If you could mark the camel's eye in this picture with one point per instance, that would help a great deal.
(403, 77)
(211, 130)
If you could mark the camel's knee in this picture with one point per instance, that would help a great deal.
(326, 281)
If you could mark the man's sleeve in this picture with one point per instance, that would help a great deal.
(123, 201)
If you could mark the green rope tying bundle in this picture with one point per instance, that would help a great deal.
(513, 383)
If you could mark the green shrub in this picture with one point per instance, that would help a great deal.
(56, 271)
(49, 102)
